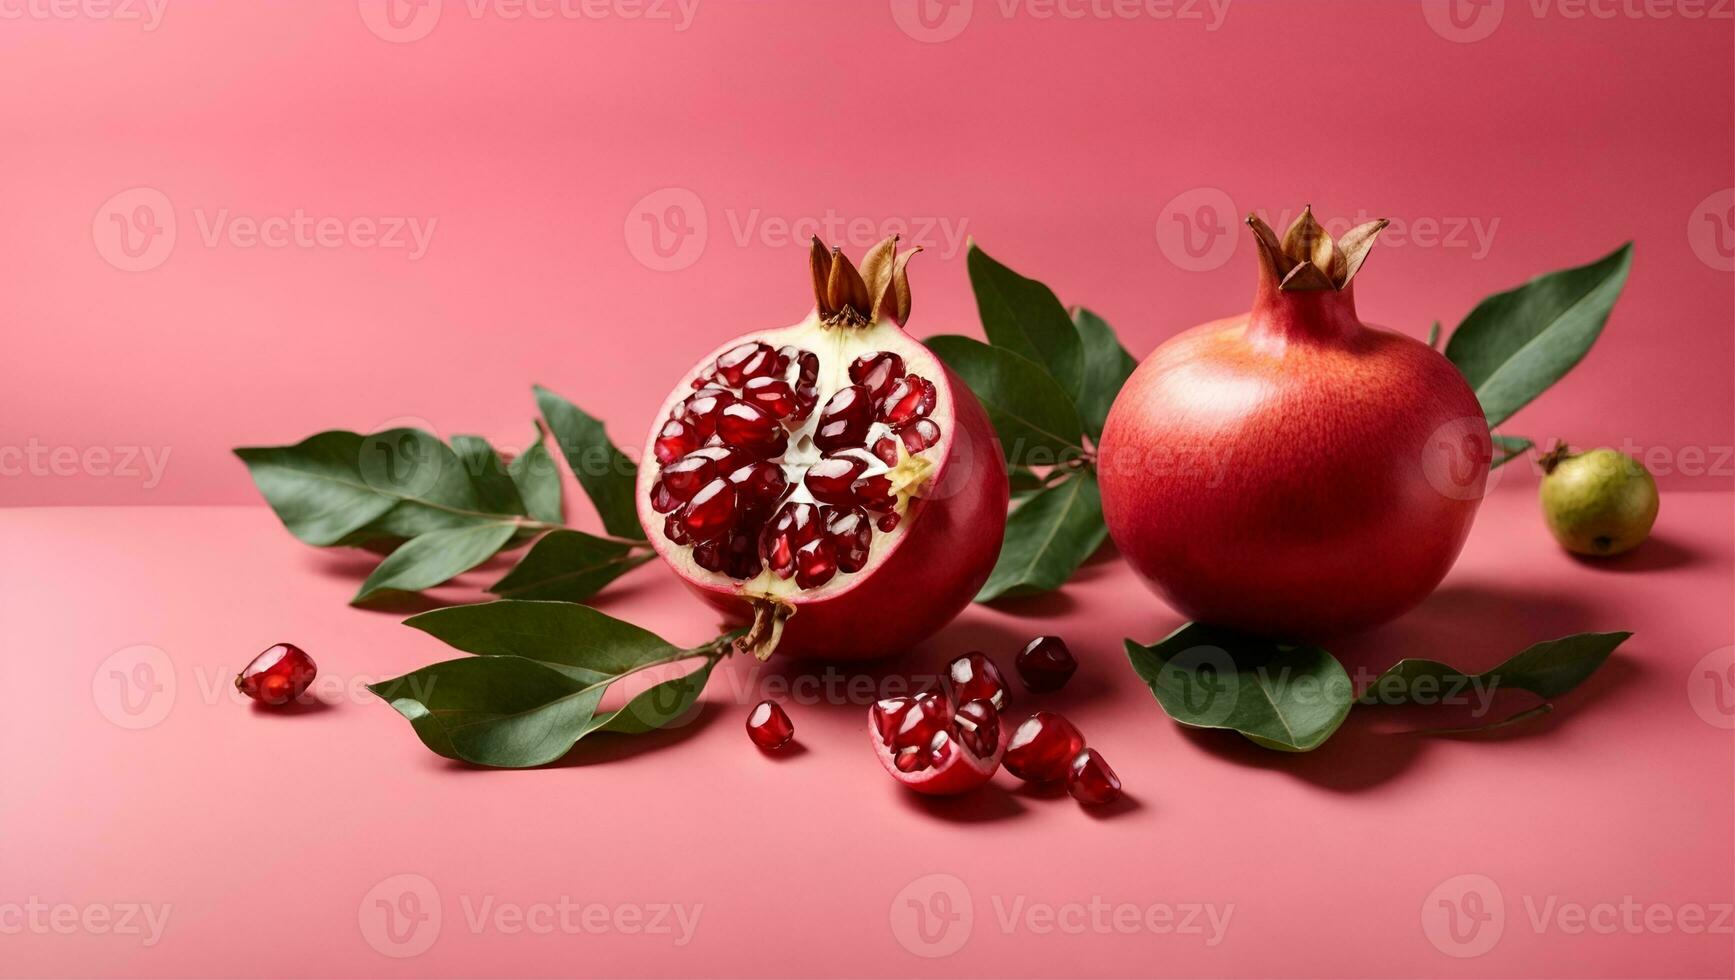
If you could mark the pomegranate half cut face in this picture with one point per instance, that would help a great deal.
(830, 482)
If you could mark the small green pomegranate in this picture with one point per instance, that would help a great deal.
(1598, 503)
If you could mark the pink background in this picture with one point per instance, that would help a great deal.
(1067, 147)
(534, 144)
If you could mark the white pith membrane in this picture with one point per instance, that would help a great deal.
(837, 334)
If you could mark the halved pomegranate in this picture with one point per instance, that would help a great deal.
(832, 482)
(932, 747)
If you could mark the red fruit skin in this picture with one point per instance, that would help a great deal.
(930, 574)
(1292, 472)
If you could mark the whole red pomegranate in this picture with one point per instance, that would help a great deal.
(831, 483)
(1293, 472)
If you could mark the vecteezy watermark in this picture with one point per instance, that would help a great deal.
(404, 21)
(1711, 230)
(1711, 688)
(935, 916)
(136, 230)
(1466, 915)
(38, 459)
(148, 13)
(402, 917)
(143, 920)
(1465, 21)
(667, 230)
(1199, 229)
(935, 21)
(1456, 456)
(134, 687)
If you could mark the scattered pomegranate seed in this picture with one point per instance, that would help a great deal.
(845, 420)
(910, 397)
(974, 677)
(769, 727)
(708, 514)
(1045, 664)
(277, 676)
(676, 439)
(685, 476)
(1042, 747)
(830, 479)
(979, 727)
(1090, 780)
(771, 394)
(815, 564)
(876, 372)
(919, 435)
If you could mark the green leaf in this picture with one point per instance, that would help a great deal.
(608, 477)
(1023, 316)
(1047, 538)
(344, 488)
(495, 491)
(495, 711)
(1107, 365)
(430, 559)
(568, 566)
(554, 632)
(1547, 670)
(1509, 449)
(1035, 419)
(1515, 344)
(655, 706)
(538, 482)
(1281, 697)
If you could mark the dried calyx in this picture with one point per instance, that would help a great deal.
(1308, 258)
(846, 297)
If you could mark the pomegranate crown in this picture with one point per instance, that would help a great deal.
(1308, 258)
(847, 298)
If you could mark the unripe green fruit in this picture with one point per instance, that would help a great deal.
(1598, 503)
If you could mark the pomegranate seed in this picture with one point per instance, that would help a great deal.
(887, 450)
(874, 492)
(806, 396)
(815, 564)
(911, 397)
(851, 537)
(685, 476)
(277, 676)
(1045, 664)
(845, 419)
(888, 714)
(979, 727)
(940, 749)
(919, 435)
(703, 407)
(911, 760)
(769, 727)
(888, 523)
(741, 557)
(1042, 747)
(928, 715)
(675, 529)
(974, 677)
(676, 439)
(830, 479)
(807, 367)
(1090, 780)
(709, 555)
(750, 428)
(876, 372)
(743, 361)
(759, 485)
(662, 501)
(772, 395)
(710, 511)
(795, 525)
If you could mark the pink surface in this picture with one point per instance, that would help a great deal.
(273, 838)
(537, 155)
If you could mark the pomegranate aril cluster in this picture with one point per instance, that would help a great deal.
(723, 487)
